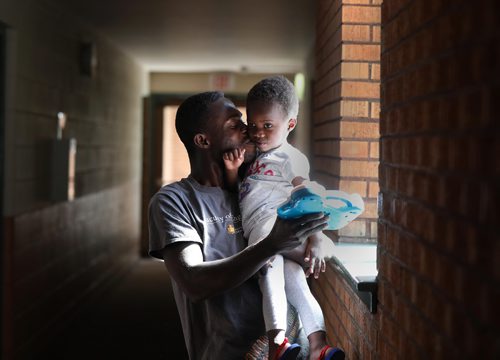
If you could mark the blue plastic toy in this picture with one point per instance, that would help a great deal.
(340, 206)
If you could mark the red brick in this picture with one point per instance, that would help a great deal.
(354, 108)
(359, 130)
(370, 210)
(357, 228)
(353, 186)
(361, 52)
(361, 14)
(375, 72)
(376, 33)
(354, 149)
(356, 33)
(355, 70)
(374, 110)
(351, 168)
(373, 189)
(360, 89)
(374, 150)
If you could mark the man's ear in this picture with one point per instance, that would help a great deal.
(201, 141)
(291, 124)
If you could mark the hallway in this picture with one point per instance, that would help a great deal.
(398, 104)
(135, 318)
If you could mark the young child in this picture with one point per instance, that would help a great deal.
(272, 108)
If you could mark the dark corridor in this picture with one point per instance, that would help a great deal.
(135, 318)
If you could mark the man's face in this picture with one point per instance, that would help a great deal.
(226, 129)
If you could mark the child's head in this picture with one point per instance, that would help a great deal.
(272, 108)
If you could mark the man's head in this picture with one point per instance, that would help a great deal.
(193, 116)
(272, 108)
(209, 121)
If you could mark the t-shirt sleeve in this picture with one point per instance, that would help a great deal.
(297, 165)
(169, 222)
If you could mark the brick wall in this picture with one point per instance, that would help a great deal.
(56, 253)
(438, 229)
(439, 226)
(346, 105)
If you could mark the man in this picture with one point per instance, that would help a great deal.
(195, 227)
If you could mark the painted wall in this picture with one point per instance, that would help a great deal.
(57, 252)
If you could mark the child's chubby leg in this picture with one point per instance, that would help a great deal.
(274, 306)
(274, 301)
(300, 296)
(311, 315)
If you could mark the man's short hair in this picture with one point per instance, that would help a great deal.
(276, 90)
(193, 115)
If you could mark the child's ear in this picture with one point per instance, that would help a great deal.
(201, 141)
(291, 124)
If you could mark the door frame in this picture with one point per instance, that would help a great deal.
(4, 236)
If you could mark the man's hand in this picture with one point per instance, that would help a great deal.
(233, 159)
(290, 233)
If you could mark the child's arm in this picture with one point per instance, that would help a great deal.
(314, 256)
(232, 161)
(317, 246)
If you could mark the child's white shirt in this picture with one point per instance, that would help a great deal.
(268, 184)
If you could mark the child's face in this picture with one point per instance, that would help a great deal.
(268, 126)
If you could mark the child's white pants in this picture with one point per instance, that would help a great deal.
(285, 280)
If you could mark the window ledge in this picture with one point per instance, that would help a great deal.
(357, 263)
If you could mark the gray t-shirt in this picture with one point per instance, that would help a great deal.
(226, 325)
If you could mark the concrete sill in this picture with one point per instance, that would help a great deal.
(357, 263)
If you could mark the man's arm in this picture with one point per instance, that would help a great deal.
(200, 280)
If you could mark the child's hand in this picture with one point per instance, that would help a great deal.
(314, 256)
(233, 158)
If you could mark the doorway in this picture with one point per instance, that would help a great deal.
(175, 160)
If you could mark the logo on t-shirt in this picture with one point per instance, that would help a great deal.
(231, 223)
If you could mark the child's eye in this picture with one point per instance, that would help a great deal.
(268, 126)
(251, 125)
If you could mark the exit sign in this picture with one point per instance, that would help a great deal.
(221, 82)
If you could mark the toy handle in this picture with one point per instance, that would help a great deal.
(347, 202)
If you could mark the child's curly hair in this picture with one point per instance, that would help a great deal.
(276, 90)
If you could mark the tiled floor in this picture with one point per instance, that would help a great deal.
(135, 319)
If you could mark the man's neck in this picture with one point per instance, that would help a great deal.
(208, 172)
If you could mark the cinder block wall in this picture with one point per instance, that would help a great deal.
(438, 229)
(55, 254)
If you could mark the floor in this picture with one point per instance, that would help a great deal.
(135, 318)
